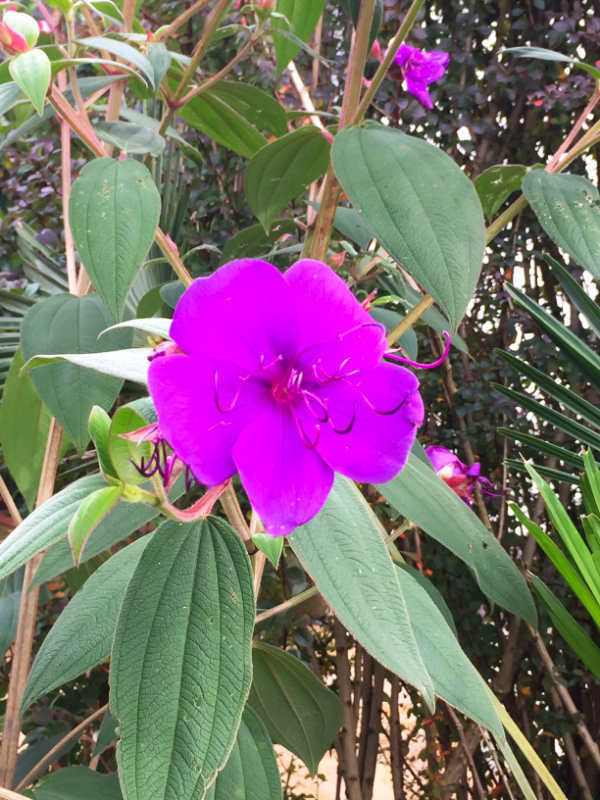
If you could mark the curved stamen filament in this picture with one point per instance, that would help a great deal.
(348, 427)
(302, 433)
(310, 397)
(420, 365)
(236, 396)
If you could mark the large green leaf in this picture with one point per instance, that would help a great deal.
(496, 184)
(75, 783)
(568, 208)
(181, 660)
(114, 210)
(63, 323)
(281, 170)
(300, 17)
(83, 634)
(454, 677)
(24, 424)
(124, 51)
(46, 525)
(251, 773)
(212, 114)
(419, 204)
(421, 496)
(343, 550)
(130, 137)
(544, 54)
(299, 712)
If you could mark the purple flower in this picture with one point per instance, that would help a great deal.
(460, 477)
(282, 379)
(421, 67)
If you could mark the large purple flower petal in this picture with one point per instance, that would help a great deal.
(326, 307)
(286, 482)
(245, 313)
(202, 406)
(371, 427)
(419, 90)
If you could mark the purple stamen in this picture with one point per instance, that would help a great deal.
(348, 427)
(302, 433)
(418, 364)
(310, 397)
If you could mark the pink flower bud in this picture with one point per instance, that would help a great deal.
(18, 32)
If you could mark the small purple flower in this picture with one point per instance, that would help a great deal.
(420, 68)
(282, 379)
(460, 477)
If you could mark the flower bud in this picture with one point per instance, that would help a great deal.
(18, 32)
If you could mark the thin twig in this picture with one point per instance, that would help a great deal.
(54, 751)
(259, 566)
(10, 504)
(466, 751)
(183, 18)
(221, 73)
(65, 163)
(410, 319)
(304, 95)
(293, 601)
(26, 622)
(234, 513)
(554, 161)
(6, 794)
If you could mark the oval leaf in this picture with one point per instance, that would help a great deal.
(281, 171)
(130, 137)
(181, 660)
(251, 772)
(496, 184)
(73, 783)
(300, 17)
(62, 324)
(89, 515)
(568, 208)
(32, 72)
(421, 207)
(421, 496)
(114, 211)
(299, 712)
(83, 634)
(343, 547)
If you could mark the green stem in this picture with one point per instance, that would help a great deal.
(356, 62)
(409, 320)
(403, 31)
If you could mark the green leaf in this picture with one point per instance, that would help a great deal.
(561, 562)
(123, 451)
(271, 546)
(47, 524)
(251, 773)
(572, 539)
(455, 679)
(580, 298)
(160, 58)
(186, 621)
(568, 208)
(10, 94)
(342, 548)
(32, 72)
(10, 602)
(130, 138)
(350, 223)
(551, 55)
(433, 592)
(539, 445)
(560, 393)
(569, 629)
(253, 242)
(419, 204)
(496, 184)
(298, 711)
(422, 497)
(124, 51)
(302, 16)
(213, 116)
(106, 8)
(24, 423)
(123, 520)
(82, 636)
(75, 783)
(89, 515)
(114, 210)
(64, 323)
(98, 426)
(131, 364)
(281, 170)
(253, 104)
(155, 326)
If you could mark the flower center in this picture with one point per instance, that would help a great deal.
(287, 388)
